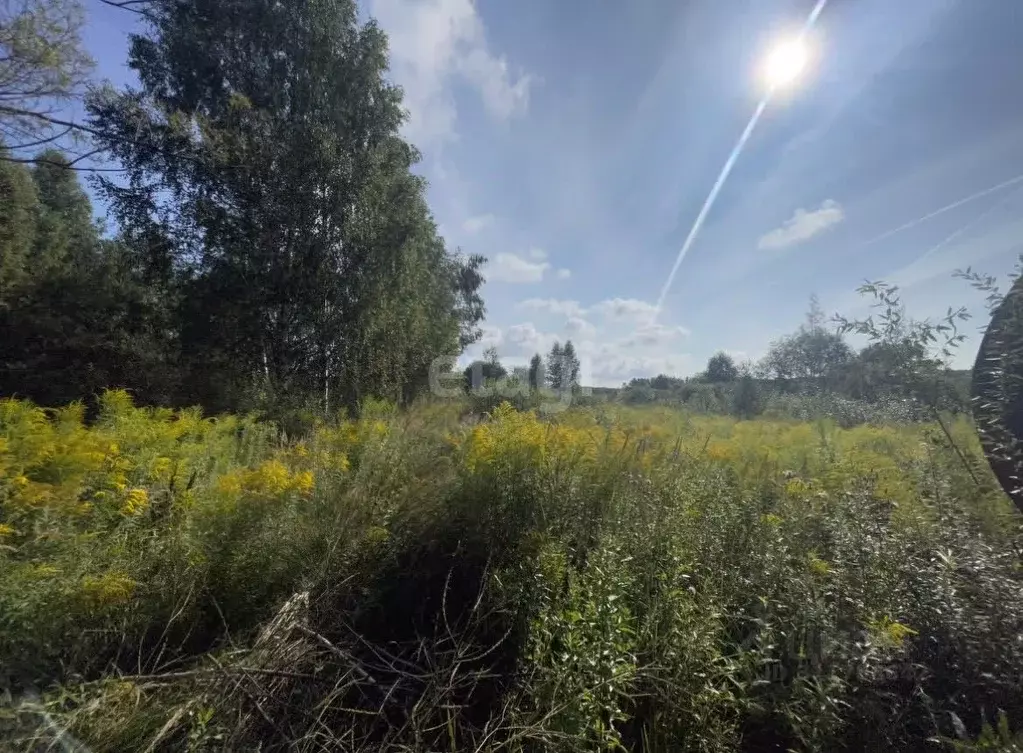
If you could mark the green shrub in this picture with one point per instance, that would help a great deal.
(596, 579)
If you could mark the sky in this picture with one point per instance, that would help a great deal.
(573, 143)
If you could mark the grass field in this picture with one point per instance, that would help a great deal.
(607, 578)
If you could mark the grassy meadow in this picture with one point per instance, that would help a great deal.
(607, 578)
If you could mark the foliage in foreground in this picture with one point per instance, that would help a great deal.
(607, 578)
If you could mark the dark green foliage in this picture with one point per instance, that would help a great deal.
(274, 249)
(562, 372)
(811, 353)
(570, 370)
(746, 401)
(661, 382)
(555, 366)
(721, 368)
(535, 374)
(263, 151)
(19, 202)
(807, 354)
(638, 395)
(66, 235)
(483, 374)
(76, 315)
(71, 334)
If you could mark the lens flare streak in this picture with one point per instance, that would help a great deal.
(729, 164)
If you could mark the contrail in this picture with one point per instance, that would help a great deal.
(727, 169)
(955, 234)
(948, 208)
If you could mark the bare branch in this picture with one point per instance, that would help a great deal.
(130, 5)
(64, 165)
(70, 124)
(41, 142)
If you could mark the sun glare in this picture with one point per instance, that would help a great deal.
(786, 62)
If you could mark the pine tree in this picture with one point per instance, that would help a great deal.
(555, 366)
(80, 318)
(19, 204)
(536, 372)
(571, 365)
(65, 231)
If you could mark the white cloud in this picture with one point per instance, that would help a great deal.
(624, 343)
(433, 43)
(553, 306)
(528, 339)
(604, 362)
(490, 337)
(502, 96)
(739, 356)
(475, 224)
(513, 268)
(609, 368)
(626, 309)
(615, 311)
(564, 274)
(576, 326)
(803, 226)
(654, 334)
(537, 253)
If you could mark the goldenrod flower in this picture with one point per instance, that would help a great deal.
(136, 501)
(304, 482)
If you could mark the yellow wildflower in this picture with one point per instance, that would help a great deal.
(891, 633)
(304, 482)
(136, 501)
(271, 478)
(162, 469)
(229, 484)
(118, 481)
(6, 530)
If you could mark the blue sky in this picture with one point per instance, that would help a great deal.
(574, 142)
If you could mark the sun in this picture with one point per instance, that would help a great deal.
(786, 61)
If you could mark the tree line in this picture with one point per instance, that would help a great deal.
(558, 372)
(271, 245)
(897, 361)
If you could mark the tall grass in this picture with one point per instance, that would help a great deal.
(600, 579)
